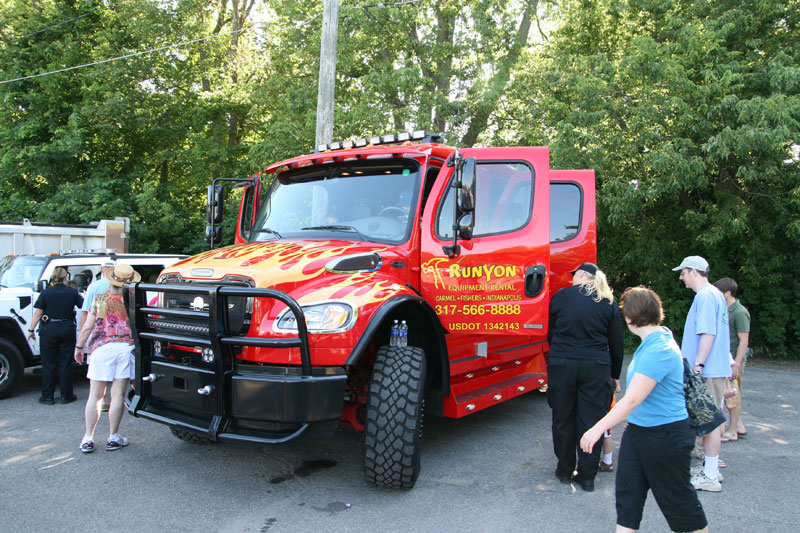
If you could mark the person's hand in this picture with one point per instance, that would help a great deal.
(589, 438)
(616, 386)
(735, 370)
(79, 355)
(32, 335)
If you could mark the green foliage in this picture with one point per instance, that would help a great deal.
(690, 113)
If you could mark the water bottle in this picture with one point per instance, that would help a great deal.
(403, 337)
(395, 336)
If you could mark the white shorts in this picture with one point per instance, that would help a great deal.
(112, 361)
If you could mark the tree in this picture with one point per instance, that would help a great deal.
(690, 113)
(139, 137)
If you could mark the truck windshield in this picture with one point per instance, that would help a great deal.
(21, 271)
(365, 201)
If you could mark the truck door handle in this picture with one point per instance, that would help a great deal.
(150, 377)
(534, 280)
(205, 391)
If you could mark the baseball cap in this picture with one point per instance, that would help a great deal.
(589, 268)
(693, 261)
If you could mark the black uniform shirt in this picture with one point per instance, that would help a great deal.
(59, 302)
(581, 328)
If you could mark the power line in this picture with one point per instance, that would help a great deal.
(185, 43)
(63, 22)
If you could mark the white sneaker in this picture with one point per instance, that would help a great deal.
(699, 468)
(701, 482)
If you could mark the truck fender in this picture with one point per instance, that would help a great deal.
(13, 334)
(436, 352)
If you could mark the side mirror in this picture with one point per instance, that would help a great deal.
(465, 225)
(214, 203)
(41, 285)
(213, 235)
(466, 193)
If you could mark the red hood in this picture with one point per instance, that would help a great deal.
(274, 263)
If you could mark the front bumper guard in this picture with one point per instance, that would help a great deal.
(227, 399)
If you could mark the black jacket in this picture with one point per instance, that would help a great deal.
(59, 302)
(581, 328)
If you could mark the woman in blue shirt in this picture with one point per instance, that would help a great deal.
(655, 452)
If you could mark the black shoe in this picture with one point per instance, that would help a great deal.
(46, 401)
(563, 478)
(586, 484)
(69, 400)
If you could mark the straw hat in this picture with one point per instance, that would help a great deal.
(122, 274)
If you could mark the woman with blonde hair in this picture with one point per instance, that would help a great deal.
(583, 367)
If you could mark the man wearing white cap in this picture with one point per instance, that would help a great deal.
(706, 346)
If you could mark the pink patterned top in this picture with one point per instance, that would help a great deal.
(111, 321)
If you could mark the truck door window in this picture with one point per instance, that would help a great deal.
(566, 203)
(503, 204)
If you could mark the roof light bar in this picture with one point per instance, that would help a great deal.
(389, 138)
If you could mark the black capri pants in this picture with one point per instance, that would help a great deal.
(658, 458)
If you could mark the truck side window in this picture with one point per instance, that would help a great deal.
(504, 198)
(566, 204)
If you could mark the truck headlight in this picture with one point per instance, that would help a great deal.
(320, 318)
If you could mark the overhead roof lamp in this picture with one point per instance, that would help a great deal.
(322, 147)
(347, 144)
(361, 142)
(418, 134)
(336, 145)
(375, 139)
(390, 138)
(403, 136)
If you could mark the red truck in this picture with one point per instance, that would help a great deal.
(373, 281)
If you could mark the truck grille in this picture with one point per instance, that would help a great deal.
(239, 309)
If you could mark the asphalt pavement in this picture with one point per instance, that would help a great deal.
(491, 471)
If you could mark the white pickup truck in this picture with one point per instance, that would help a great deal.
(23, 277)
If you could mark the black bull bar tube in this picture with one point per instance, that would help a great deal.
(226, 399)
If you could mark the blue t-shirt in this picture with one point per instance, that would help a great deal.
(708, 314)
(100, 285)
(659, 358)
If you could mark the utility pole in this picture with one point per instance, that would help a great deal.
(327, 72)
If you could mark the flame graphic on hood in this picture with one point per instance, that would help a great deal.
(273, 263)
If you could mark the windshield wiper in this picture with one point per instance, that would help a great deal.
(337, 227)
(268, 230)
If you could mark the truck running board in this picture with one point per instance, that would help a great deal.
(483, 397)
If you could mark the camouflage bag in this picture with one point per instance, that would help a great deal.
(705, 415)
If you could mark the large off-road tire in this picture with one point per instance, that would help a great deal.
(394, 417)
(188, 436)
(12, 367)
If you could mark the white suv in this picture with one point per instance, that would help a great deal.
(22, 277)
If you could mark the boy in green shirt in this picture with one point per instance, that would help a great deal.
(739, 323)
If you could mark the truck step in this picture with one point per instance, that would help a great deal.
(486, 396)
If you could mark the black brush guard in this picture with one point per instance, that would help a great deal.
(227, 399)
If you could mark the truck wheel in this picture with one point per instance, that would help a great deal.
(394, 417)
(11, 367)
(188, 436)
